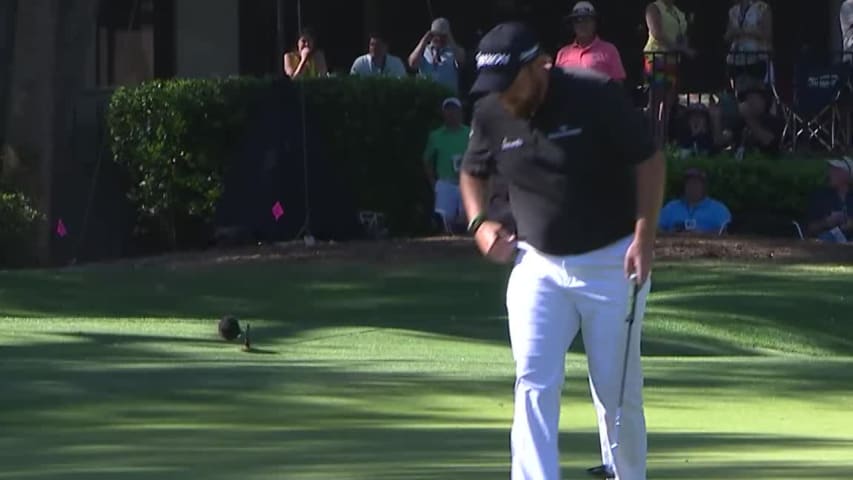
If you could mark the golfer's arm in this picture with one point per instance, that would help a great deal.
(651, 175)
(474, 190)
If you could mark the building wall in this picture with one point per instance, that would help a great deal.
(207, 38)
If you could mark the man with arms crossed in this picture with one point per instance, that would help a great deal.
(585, 187)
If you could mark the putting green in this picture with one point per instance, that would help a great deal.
(402, 372)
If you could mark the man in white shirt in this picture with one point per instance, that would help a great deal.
(378, 62)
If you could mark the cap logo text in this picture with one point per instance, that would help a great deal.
(492, 59)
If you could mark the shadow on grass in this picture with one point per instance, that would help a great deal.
(216, 420)
(115, 374)
(462, 299)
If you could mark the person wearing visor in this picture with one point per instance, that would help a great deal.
(589, 50)
(585, 185)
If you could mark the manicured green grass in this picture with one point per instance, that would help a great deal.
(402, 372)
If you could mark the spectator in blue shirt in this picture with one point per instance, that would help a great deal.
(437, 56)
(695, 212)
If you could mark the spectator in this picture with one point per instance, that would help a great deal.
(667, 42)
(588, 50)
(437, 56)
(846, 16)
(696, 212)
(377, 61)
(697, 133)
(750, 36)
(755, 128)
(443, 156)
(831, 208)
(306, 61)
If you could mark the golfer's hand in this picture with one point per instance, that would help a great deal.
(638, 260)
(495, 242)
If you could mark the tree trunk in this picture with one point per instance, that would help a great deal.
(52, 40)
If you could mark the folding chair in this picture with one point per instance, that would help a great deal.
(816, 111)
(799, 228)
(373, 224)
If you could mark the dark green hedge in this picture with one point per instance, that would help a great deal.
(18, 220)
(777, 187)
(175, 138)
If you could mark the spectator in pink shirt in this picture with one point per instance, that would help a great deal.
(589, 51)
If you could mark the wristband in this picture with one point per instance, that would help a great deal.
(476, 223)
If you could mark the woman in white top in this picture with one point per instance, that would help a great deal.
(750, 34)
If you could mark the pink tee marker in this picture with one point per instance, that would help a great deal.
(277, 211)
(60, 229)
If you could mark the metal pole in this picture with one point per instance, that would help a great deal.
(8, 11)
(281, 38)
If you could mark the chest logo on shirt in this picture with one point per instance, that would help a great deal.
(508, 144)
(565, 131)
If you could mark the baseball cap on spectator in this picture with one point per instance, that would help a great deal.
(844, 163)
(451, 102)
(581, 10)
(440, 26)
(501, 55)
(696, 173)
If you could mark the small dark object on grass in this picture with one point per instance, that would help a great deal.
(247, 343)
(229, 328)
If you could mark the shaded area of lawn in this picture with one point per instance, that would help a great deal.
(98, 406)
(698, 309)
(401, 372)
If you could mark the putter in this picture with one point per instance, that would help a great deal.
(609, 471)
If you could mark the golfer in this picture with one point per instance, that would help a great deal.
(585, 185)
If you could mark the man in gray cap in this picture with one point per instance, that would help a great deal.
(437, 55)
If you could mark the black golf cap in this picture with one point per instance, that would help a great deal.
(502, 53)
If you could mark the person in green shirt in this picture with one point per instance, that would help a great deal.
(442, 157)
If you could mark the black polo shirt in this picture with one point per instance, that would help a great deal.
(570, 170)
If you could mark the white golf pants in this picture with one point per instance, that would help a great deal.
(549, 299)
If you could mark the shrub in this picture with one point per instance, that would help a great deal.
(176, 137)
(18, 220)
(773, 186)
